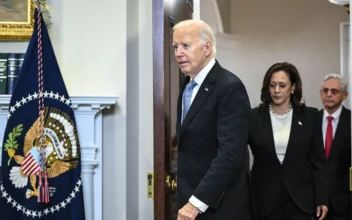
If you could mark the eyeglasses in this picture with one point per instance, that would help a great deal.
(333, 91)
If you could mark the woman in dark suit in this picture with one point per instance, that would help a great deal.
(289, 173)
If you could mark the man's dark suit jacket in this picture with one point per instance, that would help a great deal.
(304, 169)
(213, 161)
(339, 162)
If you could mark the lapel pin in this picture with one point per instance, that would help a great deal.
(300, 123)
(206, 89)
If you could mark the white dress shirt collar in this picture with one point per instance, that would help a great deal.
(335, 115)
(204, 72)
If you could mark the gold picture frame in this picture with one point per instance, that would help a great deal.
(16, 20)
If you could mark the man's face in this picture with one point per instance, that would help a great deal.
(190, 53)
(332, 95)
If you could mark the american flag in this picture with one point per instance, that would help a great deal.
(31, 164)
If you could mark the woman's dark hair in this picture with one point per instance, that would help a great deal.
(295, 79)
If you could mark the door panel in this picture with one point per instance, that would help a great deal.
(167, 82)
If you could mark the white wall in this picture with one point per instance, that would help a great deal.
(90, 44)
(132, 150)
(139, 108)
(305, 33)
(146, 128)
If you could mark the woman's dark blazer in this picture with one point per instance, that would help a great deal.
(304, 169)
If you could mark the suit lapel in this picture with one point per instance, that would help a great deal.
(321, 135)
(198, 101)
(202, 94)
(336, 143)
(321, 115)
(296, 131)
(268, 135)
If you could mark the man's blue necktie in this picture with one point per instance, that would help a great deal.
(187, 96)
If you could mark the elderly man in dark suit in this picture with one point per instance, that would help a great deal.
(212, 130)
(336, 128)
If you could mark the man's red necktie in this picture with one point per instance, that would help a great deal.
(328, 137)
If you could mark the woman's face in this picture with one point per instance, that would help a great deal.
(280, 88)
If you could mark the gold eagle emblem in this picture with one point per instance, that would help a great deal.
(59, 139)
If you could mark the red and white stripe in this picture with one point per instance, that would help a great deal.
(30, 166)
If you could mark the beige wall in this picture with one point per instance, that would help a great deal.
(225, 9)
(305, 33)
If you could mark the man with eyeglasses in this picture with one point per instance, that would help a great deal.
(336, 128)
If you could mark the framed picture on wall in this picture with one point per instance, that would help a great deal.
(16, 19)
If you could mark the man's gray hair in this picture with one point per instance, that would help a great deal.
(341, 79)
(205, 32)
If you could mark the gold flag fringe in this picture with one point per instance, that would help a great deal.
(46, 11)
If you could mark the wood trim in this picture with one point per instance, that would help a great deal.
(158, 104)
(190, 4)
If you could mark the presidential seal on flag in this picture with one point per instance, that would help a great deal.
(60, 151)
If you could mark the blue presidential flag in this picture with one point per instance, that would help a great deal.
(41, 169)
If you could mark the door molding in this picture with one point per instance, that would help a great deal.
(158, 105)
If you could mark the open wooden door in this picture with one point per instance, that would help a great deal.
(167, 80)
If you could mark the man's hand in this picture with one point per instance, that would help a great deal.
(188, 212)
(322, 210)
